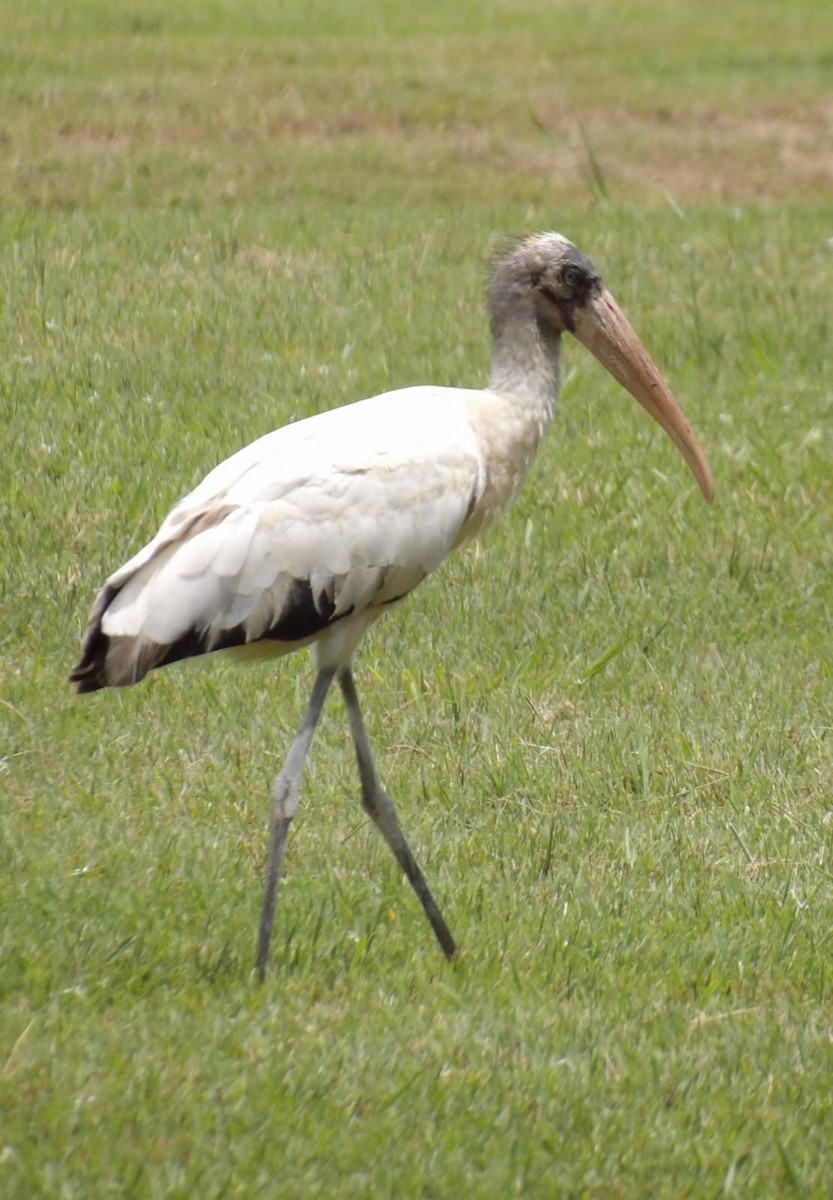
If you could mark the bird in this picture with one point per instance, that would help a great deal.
(312, 532)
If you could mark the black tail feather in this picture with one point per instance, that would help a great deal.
(121, 659)
(90, 673)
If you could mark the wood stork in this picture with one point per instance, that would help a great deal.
(310, 533)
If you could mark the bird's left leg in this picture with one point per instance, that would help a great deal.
(284, 805)
(378, 805)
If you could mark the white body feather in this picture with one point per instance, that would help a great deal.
(360, 502)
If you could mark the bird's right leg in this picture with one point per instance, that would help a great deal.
(379, 806)
(284, 805)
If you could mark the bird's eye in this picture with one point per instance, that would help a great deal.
(571, 277)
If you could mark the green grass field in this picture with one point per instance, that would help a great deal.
(607, 727)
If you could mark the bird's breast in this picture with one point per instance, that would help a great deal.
(509, 435)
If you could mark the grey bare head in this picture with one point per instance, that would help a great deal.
(543, 286)
(548, 273)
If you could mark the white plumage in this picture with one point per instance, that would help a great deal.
(311, 532)
(296, 505)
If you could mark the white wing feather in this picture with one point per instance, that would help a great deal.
(362, 502)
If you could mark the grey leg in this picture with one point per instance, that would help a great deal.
(378, 805)
(284, 805)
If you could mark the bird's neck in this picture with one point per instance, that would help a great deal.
(526, 355)
(517, 408)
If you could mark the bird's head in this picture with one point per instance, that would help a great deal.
(568, 296)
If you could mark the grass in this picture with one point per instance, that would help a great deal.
(607, 728)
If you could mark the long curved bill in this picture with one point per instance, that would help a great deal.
(606, 332)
